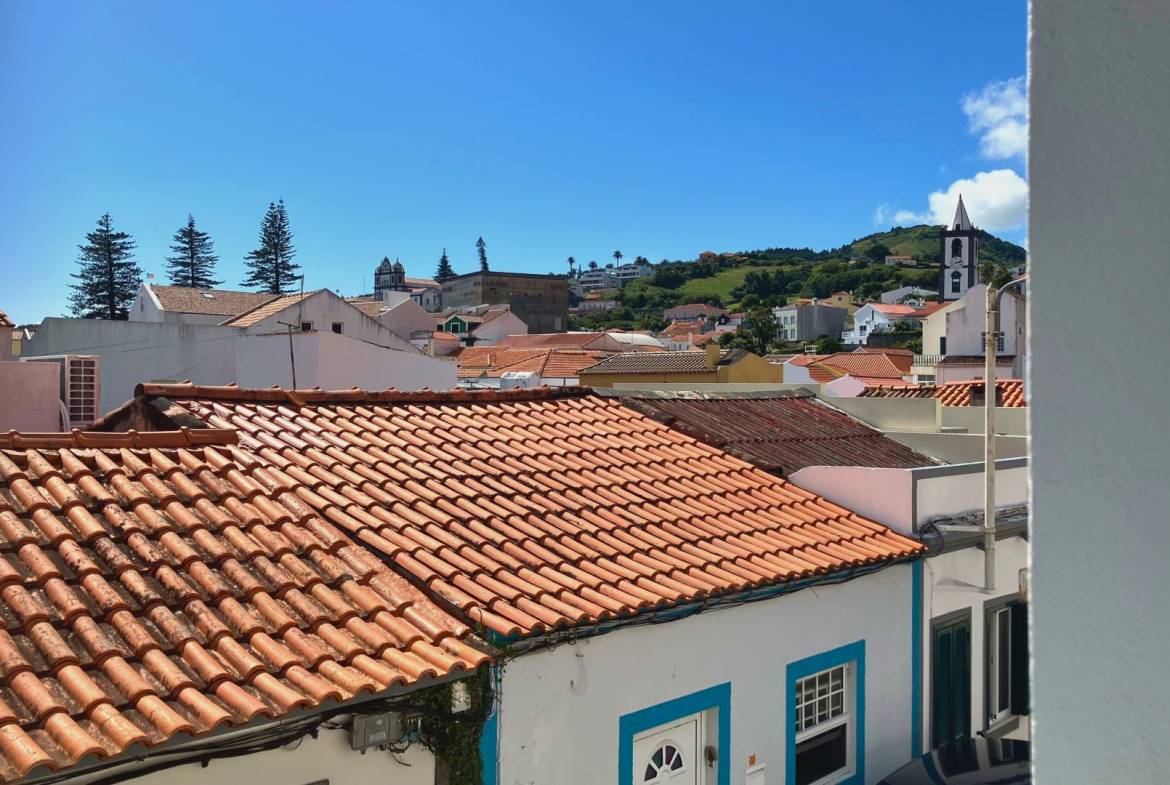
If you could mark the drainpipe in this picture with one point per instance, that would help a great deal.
(990, 388)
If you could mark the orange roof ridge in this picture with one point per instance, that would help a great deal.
(183, 437)
(354, 395)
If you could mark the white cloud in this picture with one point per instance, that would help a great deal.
(995, 200)
(999, 115)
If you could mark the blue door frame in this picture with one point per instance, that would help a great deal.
(630, 725)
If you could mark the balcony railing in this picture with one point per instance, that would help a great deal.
(928, 359)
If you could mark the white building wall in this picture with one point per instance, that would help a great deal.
(954, 582)
(135, 352)
(336, 362)
(30, 395)
(327, 758)
(489, 333)
(323, 309)
(554, 732)
(408, 317)
(966, 323)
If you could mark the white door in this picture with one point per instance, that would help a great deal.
(669, 754)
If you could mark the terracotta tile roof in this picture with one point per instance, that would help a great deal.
(823, 374)
(656, 362)
(367, 305)
(891, 309)
(537, 509)
(443, 335)
(807, 359)
(777, 432)
(1009, 391)
(928, 308)
(903, 359)
(682, 328)
(270, 308)
(155, 588)
(490, 362)
(212, 302)
(865, 364)
(550, 340)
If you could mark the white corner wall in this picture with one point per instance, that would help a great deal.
(1100, 186)
(554, 733)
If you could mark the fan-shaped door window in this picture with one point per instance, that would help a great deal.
(665, 763)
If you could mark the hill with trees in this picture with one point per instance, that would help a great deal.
(746, 280)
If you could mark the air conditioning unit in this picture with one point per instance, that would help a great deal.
(80, 388)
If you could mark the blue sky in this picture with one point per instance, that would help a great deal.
(659, 128)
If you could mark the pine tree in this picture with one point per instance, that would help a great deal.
(109, 277)
(194, 261)
(271, 265)
(445, 270)
(481, 248)
(617, 257)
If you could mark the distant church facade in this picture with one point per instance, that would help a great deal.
(958, 256)
(390, 277)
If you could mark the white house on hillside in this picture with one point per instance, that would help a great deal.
(875, 318)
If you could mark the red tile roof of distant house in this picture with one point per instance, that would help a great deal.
(959, 393)
(551, 340)
(210, 302)
(156, 585)
(270, 308)
(529, 510)
(871, 364)
(680, 362)
(903, 359)
(928, 308)
(777, 432)
(491, 362)
(891, 309)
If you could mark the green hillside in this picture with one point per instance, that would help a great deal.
(773, 276)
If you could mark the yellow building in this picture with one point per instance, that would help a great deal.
(713, 365)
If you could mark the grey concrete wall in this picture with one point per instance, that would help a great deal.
(892, 414)
(1007, 420)
(1100, 179)
(960, 447)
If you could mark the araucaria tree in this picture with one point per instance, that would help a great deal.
(271, 265)
(193, 263)
(109, 277)
(444, 270)
(481, 249)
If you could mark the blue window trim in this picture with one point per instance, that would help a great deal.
(489, 738)
(630, 725)
(851, 652)
(916, 660)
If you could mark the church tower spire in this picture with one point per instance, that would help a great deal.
(961, 220)
(958, 257)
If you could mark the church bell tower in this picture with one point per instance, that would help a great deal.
(958, 256)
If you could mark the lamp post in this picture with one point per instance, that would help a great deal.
(990, 388)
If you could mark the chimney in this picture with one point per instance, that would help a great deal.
(712, 353)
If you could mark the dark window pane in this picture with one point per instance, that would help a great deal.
(1003, 624)
(821, 755)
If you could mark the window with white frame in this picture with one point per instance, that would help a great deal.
(824, 726)
(1007, 656)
